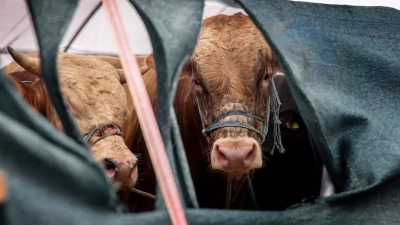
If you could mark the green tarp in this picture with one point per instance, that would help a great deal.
(342, 66)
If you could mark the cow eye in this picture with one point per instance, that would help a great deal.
(292, 125)
(266, 76)
(195, 82)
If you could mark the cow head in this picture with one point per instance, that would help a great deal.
(94, 95)
(231, 68)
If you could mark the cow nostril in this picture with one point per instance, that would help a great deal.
(109, 164)
(134, 165)
(251, 154)
(220, 155)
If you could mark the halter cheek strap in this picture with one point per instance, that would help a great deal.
(94, 130)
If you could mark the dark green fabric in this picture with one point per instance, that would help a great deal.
(50, 26)
(341, 64)
(342, 67)
(173, 33)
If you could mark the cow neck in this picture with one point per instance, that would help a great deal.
(234, 188)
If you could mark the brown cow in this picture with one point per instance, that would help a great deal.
(230, 70)
(95, 97)
(34, 96)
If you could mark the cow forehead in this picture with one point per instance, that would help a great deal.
(229, 51)
(89, 75)
(231, 40)
(95, 86)
(84, 68)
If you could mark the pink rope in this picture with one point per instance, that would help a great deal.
(146, 117)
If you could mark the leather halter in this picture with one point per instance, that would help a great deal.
(95, 129)
(216, 124)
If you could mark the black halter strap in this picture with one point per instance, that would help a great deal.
(94, 130)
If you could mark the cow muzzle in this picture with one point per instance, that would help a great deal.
(122, 170)
(236, 155)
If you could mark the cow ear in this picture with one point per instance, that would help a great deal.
(276, 67)
(150, 61)
(188, 68)
(141, 60)
(121, 73)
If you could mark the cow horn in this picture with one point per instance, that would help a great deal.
(31, 64)
(121, 73)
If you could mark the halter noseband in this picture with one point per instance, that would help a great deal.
(94, 130)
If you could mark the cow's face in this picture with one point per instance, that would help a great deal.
(231, 68)
(94, 95)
